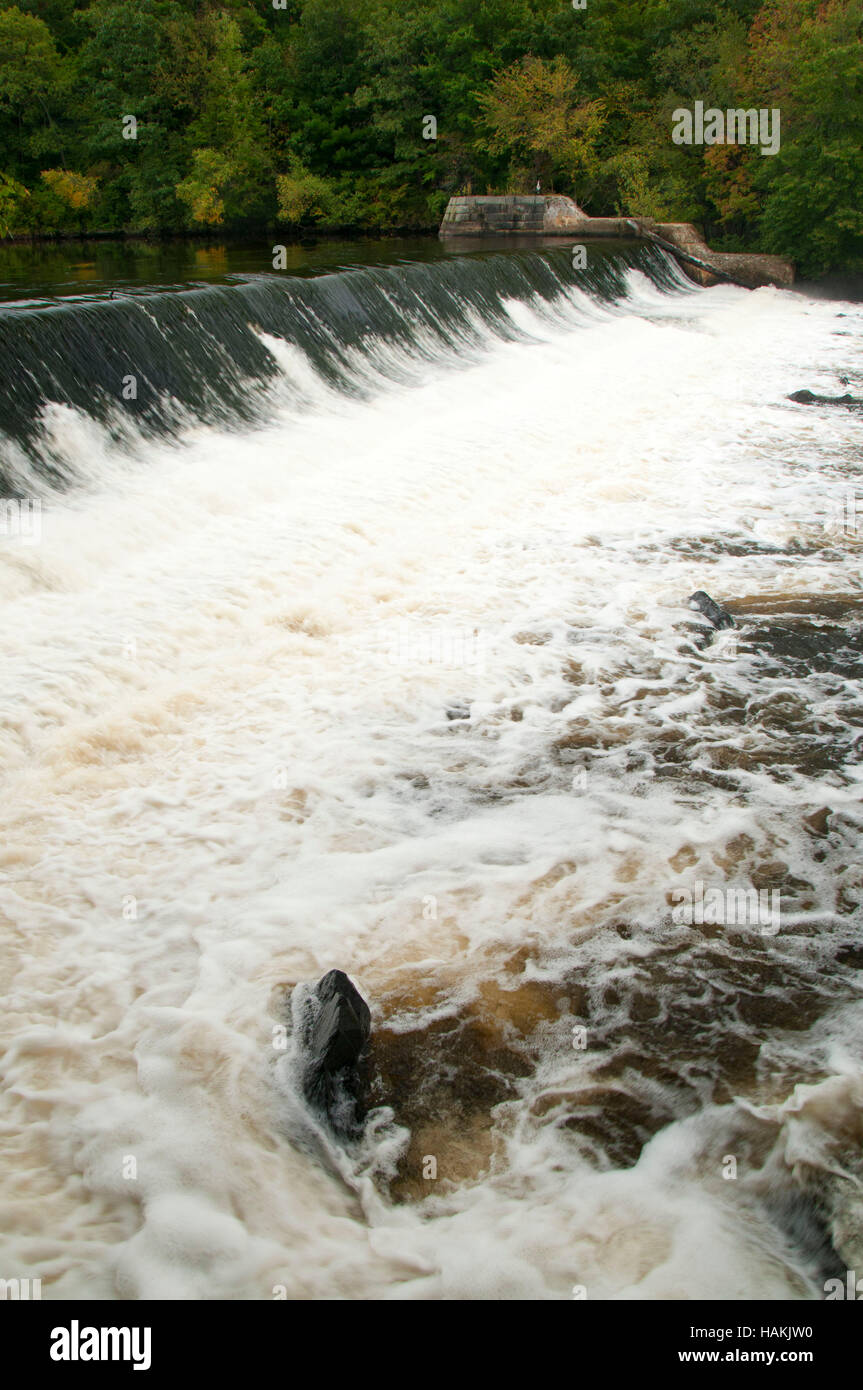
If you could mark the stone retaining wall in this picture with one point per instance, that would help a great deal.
(552, 214)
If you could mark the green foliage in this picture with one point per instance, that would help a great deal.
(13, 200)
(231, 176)
(202, 190)
(304, 196)
(247, 115)
(76, 190)
(530, 112)
(636, 196)
(29, 65)
(811, 57)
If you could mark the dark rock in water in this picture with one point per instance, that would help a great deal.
(336, 1039)
(461, 710)
(342, 1027)
(810, 398)
(713, 611)
(851, 953)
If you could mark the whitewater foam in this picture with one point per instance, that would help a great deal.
(228, 767)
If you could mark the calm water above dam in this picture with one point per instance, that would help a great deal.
(346, 625)
(47, 271)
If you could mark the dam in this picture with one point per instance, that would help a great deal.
(362, 640)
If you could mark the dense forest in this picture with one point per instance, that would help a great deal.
(156, 116)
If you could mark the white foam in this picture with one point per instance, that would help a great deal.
(224, 664)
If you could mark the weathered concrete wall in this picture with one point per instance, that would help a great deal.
(751, 270)
(508, 214)
(552, 214)
(486, 216)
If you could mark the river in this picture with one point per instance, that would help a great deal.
(346, 624)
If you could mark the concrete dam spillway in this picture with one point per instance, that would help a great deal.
(553, 214)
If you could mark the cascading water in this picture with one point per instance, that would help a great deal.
(356, 635)
(160, 361)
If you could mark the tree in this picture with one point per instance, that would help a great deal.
(119, 68)
(303, 195)
(807, 59)
(202, 189)
(75, 189)
(13, 200)
(29, 65)
(531, 114)
(231, 172)
(30, 79)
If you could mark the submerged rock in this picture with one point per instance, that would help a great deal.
(335, 1079)
(459, 710)
(714, 612)
(810, 398)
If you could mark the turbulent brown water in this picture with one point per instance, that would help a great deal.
(361, 639)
